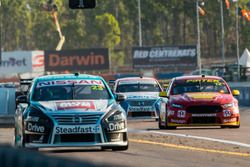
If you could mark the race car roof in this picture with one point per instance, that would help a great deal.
(135, 78)
(197, 77)
(68, 76)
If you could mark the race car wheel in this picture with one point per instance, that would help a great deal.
(160, 124)
(19, 138)
(232, 127)
(166, 122)
(165, 126)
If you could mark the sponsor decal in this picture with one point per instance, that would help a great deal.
(16, 62)
(229, 120)
(13, 62)
(227, 113)
(181, 113)
(215, 81)
(177, 121)
(202, 95)
(83, 59)
(75, 105)
(38, 61)
(141, 97)
(35, 128)
(204, 115)
(69, 82)
(77, 129)
(116, 126)
(138, 109)
(32, 119)
(170, 112)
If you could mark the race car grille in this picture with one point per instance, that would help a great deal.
(203, 120)
(83, 119)
(205, 109)
(141, 102)
(141, 114)
(64, 138)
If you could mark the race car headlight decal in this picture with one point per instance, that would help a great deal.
(176, 105)
(32, 119)
(115, 116)
(229, 105)
(115, 121)
(37, 121)
(34, 112)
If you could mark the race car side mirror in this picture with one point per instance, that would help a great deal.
(163, 94)
(120, 97)
(21, 99)
(236, 92)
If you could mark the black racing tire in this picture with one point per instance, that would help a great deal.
(165, 126)
(22, 137)
(230, 126)
(160, 124)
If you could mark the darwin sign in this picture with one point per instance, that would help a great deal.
(77, 60)
(164, 57)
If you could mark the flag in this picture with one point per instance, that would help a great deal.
(227, 4)
(201, 11)
(245, 14)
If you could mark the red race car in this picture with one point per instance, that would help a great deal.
(199, 101)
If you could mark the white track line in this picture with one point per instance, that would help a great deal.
(194, 137)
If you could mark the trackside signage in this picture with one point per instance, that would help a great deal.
(164, 56)
(77, 60)
(16, 62)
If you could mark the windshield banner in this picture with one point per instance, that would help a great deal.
(165, 57)
(69, 82)
(77, 60)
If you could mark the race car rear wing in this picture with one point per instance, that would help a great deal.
(25, 81)
(24, 85)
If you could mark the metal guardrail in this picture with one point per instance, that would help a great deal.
(11, 157)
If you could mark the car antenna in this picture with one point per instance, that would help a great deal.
(77, 74)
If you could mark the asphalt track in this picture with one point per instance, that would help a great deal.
(149, 146)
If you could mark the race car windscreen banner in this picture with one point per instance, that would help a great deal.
(77, 60)
(164, 57)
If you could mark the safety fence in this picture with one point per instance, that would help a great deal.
(244, 98)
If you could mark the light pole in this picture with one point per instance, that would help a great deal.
(237, 38)
(198, 37)
(139, 22)
(222, 34)
(0, 32)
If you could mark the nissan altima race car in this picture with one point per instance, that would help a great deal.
(142, 96)
(199, 101)
(70, 110)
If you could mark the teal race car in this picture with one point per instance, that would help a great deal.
(68, 111)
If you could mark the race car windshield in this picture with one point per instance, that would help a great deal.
(138, 87)
(71, 92)
(199, 85)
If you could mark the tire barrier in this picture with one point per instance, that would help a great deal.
(12, 157)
